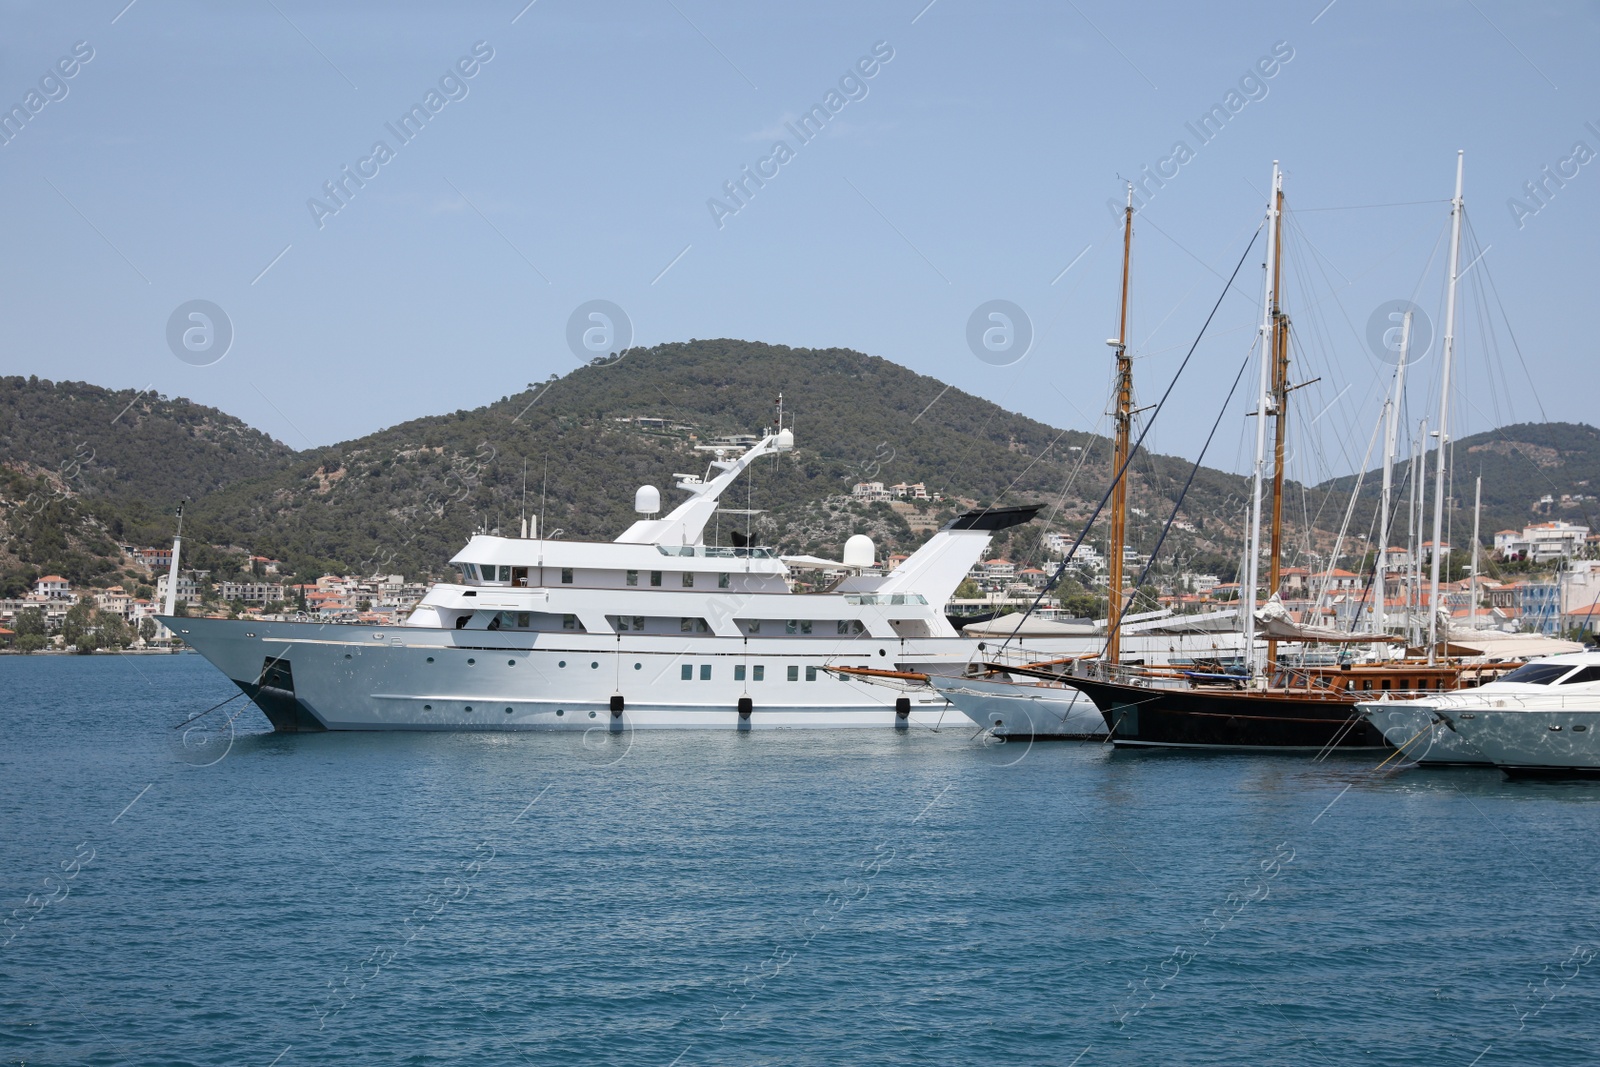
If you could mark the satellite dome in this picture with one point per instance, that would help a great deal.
(785, 440)
(859, 551)
(647, 500)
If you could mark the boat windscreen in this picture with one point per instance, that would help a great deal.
(1538, 673)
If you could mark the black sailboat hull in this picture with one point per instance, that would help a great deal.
(1143, 717)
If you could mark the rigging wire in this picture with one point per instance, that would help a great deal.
(1178, 503)
(1160, 405)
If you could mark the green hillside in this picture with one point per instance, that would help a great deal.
(406, 498)
(82, 468)
(1521, 465)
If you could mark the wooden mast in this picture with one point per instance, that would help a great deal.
(1119, 462)
(1280, 401)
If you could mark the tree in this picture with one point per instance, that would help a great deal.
(78, 627)
(111, 631)
(147, 629)
(968, 590)
(30, 630)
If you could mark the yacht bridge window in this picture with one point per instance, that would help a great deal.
(1538, 673)
(1586, 674)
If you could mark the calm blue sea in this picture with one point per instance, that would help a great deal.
(770, 898)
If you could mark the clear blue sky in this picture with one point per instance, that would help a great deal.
(976, 163)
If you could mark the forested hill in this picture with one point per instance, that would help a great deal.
(83, 468)
(406, 498)
(1521, 466)
(128, 444)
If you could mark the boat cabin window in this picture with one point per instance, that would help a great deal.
(694, 626)
(723, 580)
(688, 579)
(633, 577)
(569, 622)
(566, 575)
(1538, 673)
(469, 572)
(802, 626)
(738, 672)
(759, 673)
(1586, 674)
(519, 577)
(655, 578)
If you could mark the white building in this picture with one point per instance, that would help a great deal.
(188, 586)
(1542, 541)
(53, 587)
(248, 592)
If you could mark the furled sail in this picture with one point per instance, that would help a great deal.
(1275, 622)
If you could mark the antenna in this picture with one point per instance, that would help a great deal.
(524, 496)
(542, 493)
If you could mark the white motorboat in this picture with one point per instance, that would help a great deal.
(1541, 719)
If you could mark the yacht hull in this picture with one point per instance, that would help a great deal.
(1011, 710)
(1150, 717)
(1526, 742)
(321, 676)
(1419, 735)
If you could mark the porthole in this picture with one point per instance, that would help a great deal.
(427, 707)
(511, 663)
(469, 707)
(377, 637)
(881, 652)
(638, 666)
(430, 659)
(1579, 729)
(470, 661)
(508, 711)
(563, 663)
(594, 666)
(560, 712)
(1555, 726)
(591, 715)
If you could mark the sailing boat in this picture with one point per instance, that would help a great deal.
(1275, 705)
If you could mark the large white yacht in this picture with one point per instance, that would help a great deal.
(654, 629)
(1542, 718)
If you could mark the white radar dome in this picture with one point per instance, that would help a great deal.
(647, 500)
(785, 440)
(859, 551)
